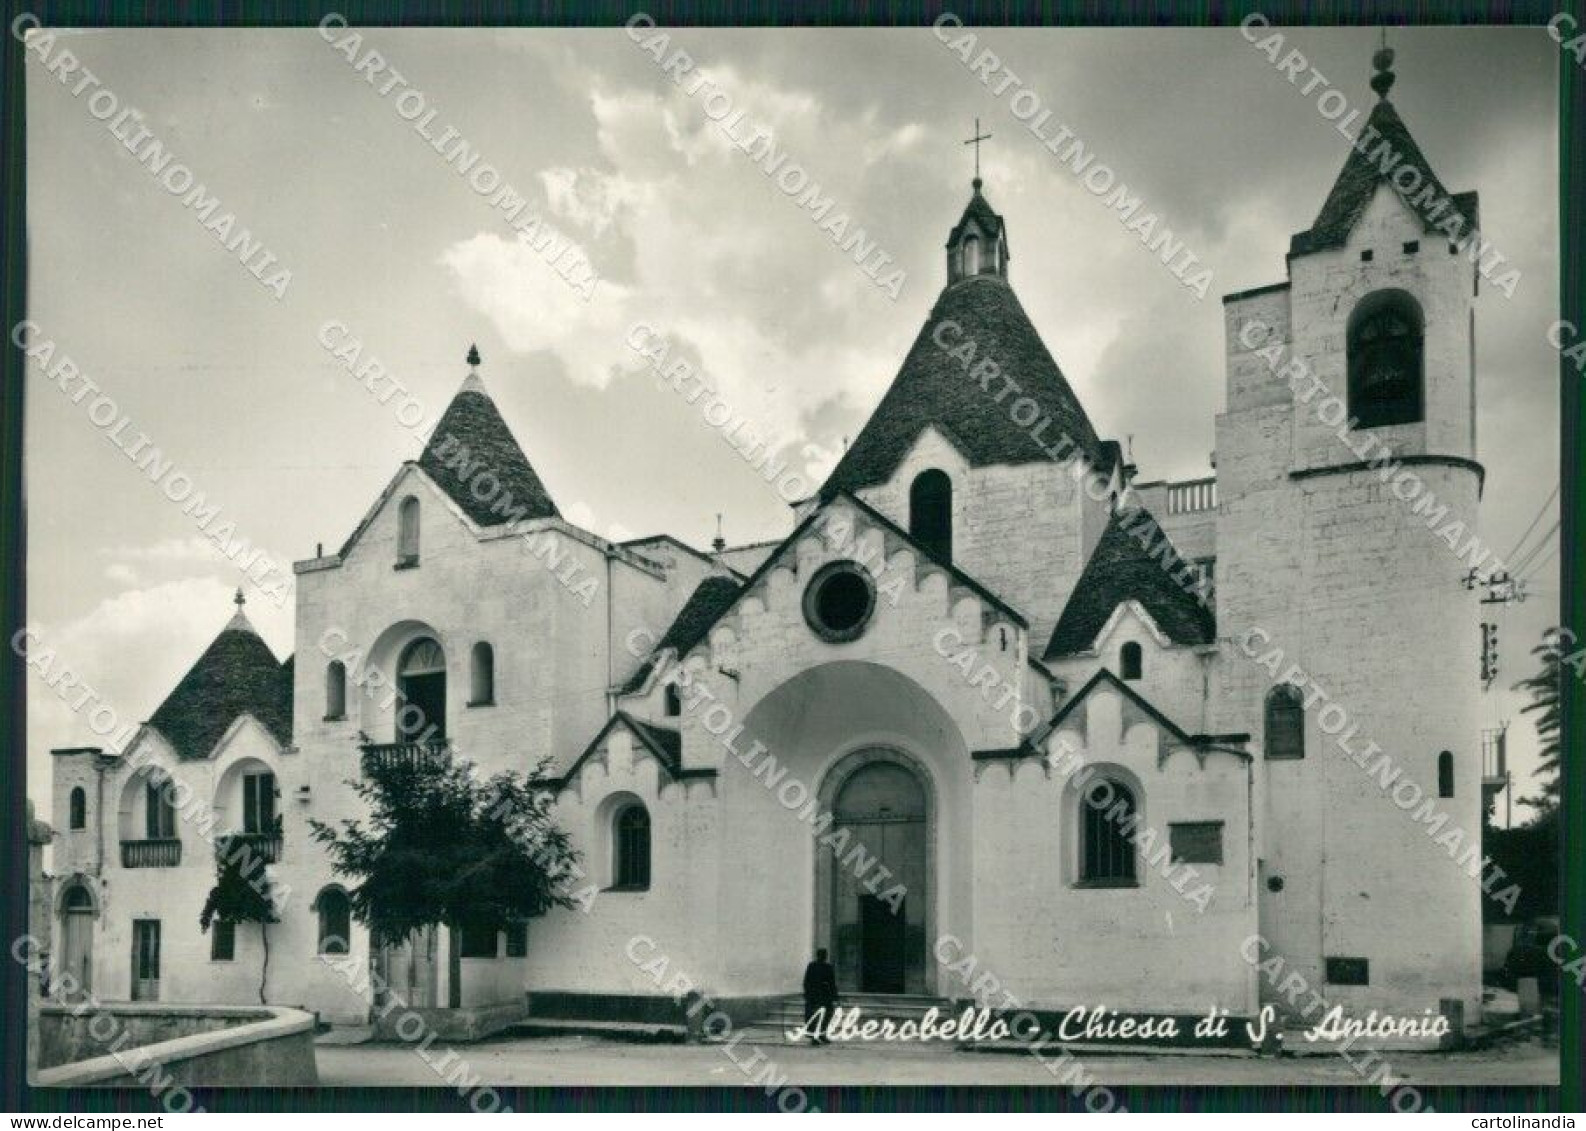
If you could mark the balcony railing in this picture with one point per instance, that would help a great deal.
(1192, 495)
(413, 755)
(264, 847)
(151, 853)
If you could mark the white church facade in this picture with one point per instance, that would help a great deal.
(996, 697)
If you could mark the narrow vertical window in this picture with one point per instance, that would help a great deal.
(1445, 774)
(972, 256)
(674, 701)
(408, 532)
(631, 834)
(931, 513)
(336, 690)
(1284, 723)
(222, 941)
(258, 803)
(159, 814)
(482, 676)
(79, 808)
(1129, 660)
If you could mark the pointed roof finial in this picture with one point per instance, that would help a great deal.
(473, 383)
(239, 619)
(1382, 81)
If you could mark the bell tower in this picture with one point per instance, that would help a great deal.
(978, 243)
(1350, 427)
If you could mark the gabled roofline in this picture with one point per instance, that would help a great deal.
(1105, 675)
(1132, 604)
(232, 728)
(953, 571)
(765, 567)
(639, 730)
(331, 561)
(881, 520)
(617, 550)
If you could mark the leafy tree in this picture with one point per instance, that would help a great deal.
(1528, 855)
(1546, 687)
(441, 847)
(243, 893)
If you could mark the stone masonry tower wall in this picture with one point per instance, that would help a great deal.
(1343, 564)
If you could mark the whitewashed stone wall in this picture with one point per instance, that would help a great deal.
(1350, 583)
(1053, 942)
(1023, 531)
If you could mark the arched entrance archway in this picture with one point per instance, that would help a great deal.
(875, 872)
(802, 740)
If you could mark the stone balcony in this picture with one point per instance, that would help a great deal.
(379, 756)
(164, 853)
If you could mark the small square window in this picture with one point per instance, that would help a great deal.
(1412, 247)
(1196, 842)
(1348, 972)
(222, 941)
(1367, 256)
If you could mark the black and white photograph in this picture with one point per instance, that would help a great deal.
(788, 558)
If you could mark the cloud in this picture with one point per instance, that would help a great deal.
(713, 249)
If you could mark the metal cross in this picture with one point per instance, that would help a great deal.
(975, 141)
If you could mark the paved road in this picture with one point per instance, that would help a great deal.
(577, 1060)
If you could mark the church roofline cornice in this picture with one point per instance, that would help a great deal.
(1402, 461)
(1270, 288)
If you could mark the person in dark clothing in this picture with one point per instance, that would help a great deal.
(820, 997)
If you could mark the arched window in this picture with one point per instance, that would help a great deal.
(674, 701)
(931, 513)
(482, 675)
(335, 920)
(1107, 848)
(78, 899)
(408, 532)
(631, 834)
(1385, 360)
(421, 680)
(336, 690)
(1284, 735)
(972, 256)
(79, 808)
(1129, 660)
(1445, 774)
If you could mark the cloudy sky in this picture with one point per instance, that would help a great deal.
(688, 236)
